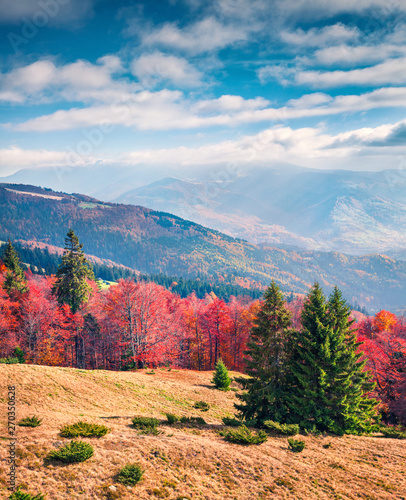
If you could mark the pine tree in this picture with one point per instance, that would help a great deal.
(266, 389)
(221, 378)
(70, 286)
(15, 282)
(329, 389)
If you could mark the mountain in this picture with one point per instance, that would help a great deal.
(282, 204)
(354, 212)
(158, 242)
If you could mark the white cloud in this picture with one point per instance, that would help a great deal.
(170, 110)
(203, 36)
(346, 55)
(154, 68)
(391, 72)
(14, 158)
(318, 37)
(44, 81)
(311, 147)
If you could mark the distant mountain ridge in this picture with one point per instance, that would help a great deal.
(155, 242)
(354, 212)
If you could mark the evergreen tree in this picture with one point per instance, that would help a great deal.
(15, 282)
(329, 389)
(70, 286)
(266, 389)
(221, 378)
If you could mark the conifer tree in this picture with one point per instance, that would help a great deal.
(15, 282)
(70, 286)
(266, 389)
(221, 378)
(329, 389)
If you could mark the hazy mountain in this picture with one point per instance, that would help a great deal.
(354, 212)
(153, 242)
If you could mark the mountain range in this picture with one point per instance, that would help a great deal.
(283, 205)
(156, 242)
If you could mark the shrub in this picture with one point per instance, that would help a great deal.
(193, 420)
(19, 495)
(296, 445)
(171, 418)
(393, 432)
(242, 435)
(84, 429)
(284, 429)
(144, 422)
(130, 475)
(231, 422)
(33, 421)
(19, 354)
(201, 405)
(75, 451)
(220, 377)
(9, 361)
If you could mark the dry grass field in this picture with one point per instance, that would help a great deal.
(183, 462)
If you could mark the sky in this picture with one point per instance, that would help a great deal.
(317, 83)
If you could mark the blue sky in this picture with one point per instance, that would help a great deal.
(195, 82)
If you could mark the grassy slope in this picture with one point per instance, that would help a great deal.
(181, 462)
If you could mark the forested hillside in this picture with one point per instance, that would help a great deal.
(155, 242)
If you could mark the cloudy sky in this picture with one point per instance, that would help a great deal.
(318, 83)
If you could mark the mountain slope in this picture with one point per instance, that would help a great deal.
(355, 212)
(183, 462)
(153, 242)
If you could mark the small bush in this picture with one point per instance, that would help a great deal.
(172, 418)
(33, 421)
(296, 445)
(84, 429)
(9, 361)
(193, 420)
(75, 451)
(231, 422)
(130, 475)
(19, 495)
(202, 405)
(393, 432)
(242, 435)
(284, 429)
(144, 422)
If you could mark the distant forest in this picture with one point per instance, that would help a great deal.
(41, 261)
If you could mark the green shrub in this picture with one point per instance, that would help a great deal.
(144, 422)
(284, 429)
(296, 445)
(172, 418)
(19, 495)
(9, 361)
(84, 429)
(75, 451)
(231, 422)
(393, 432)
(33, 421)
(19, 354)
(242, 435)
(193, 420)
(202, 405)
(130, 475)
(220, 377)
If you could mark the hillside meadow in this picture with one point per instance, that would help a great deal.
(183, 461)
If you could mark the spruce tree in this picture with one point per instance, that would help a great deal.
(70, 286)
(329, 389)
(15, 282)
(266, 389)
(221, 378)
